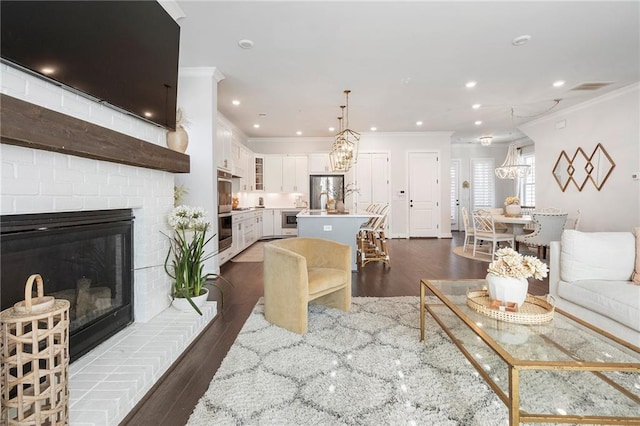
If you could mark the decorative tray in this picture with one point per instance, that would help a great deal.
(533, 311)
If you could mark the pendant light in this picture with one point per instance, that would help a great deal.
(344, 152)
(512, 167)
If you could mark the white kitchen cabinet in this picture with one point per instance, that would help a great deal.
(372, 178)
(245, 169)
(272, 173)
(258, 172)
(295, 174)
(224, 137)
(239, 169)
(258, 224)
(319, 163)
(267, 223)
(277, 222)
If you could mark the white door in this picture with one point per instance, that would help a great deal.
(424, 194)
(455, 194)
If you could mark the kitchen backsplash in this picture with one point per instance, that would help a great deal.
(271, 200)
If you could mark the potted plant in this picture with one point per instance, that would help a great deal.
(186, 256)
(507, 275)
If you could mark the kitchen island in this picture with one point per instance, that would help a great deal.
(342, 228)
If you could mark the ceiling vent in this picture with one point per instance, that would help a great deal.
(593, 85)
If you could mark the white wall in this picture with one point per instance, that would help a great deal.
(612, 120)
(198, 98)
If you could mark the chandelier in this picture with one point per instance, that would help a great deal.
(512, 167)
(344, 152)
(486, 140)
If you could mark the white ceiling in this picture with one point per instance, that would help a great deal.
(407, 61)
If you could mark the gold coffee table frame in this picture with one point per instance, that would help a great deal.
(515, 366)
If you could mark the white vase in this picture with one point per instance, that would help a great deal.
(183, 304)
(513, 210)
(507, 289)
(178, 140)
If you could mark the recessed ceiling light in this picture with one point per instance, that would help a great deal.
(47, 70)
(245, 44)
(332, 129)
(235, 102)
(520, 40)
(418, 123)
(471, 84)
(373, 129)
(558, 83)
(476, 106)
(298, 133)
(148, 114)
(478, 122)
(256, 126)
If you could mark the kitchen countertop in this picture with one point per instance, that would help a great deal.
(252, 209)
(325, 215)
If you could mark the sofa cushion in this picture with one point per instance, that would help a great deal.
(597, 256)
(618, 300)
(322, 279)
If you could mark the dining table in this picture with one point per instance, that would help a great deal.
(515, 224)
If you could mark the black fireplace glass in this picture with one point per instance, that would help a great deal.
(83, 257)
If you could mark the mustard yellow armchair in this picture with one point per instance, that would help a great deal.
(300, 270)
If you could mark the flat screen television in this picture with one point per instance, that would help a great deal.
(124, 53)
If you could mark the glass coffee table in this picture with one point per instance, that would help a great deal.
(561, 371)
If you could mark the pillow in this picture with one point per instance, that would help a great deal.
(636, 273)
(608, 256)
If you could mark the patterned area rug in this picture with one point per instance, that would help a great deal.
(255, 253)
(367, 367)
(362, 367)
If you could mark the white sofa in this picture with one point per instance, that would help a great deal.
(590, 277)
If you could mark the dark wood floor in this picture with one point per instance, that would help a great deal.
(172, 399)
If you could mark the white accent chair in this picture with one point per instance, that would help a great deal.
(484, 229)
(468, 228)
(548, 227)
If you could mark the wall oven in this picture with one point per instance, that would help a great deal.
(225, 225)
(224, 192)
(225, 222)
(289, 219)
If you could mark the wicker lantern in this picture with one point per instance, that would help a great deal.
(35, 360)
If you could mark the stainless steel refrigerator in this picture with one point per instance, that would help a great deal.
(325, 187)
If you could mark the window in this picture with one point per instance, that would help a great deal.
(483, 183)
(528, 183)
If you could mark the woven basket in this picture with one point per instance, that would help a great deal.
(35, 360)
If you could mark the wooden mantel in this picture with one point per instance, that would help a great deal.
(32, 126)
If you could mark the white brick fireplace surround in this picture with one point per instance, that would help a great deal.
(107, 382)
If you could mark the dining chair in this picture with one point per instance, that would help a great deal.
(573, 222)
(484, 229)
(468, 228)
(548, 227)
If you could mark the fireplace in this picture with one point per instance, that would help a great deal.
(85, 257)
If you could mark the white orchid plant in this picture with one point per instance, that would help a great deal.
(190, 226)
(510, 263)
